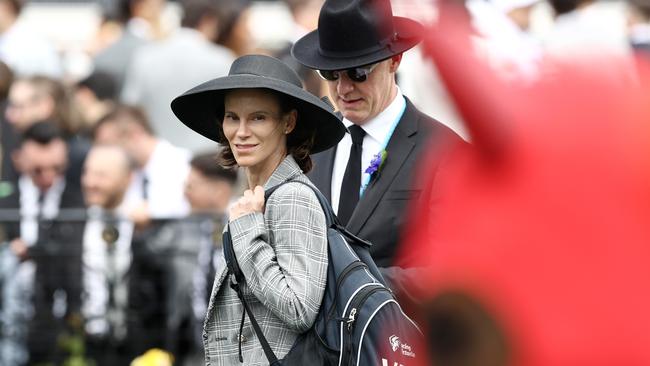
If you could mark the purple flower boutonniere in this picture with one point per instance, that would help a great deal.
(376, 163)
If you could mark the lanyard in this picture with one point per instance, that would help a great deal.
(367, 176)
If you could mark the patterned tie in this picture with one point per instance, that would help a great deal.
(352, 177)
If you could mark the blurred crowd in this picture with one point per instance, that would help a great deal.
(111, 210)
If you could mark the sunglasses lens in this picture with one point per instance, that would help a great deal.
(358, 74)
(329, 75)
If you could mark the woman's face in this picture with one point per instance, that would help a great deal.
(255, 128)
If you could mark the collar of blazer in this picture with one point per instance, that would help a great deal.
(288, 169)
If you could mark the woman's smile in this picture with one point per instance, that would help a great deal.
(244, 148)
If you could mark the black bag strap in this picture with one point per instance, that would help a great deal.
(360, 246)
(330, 217)
(234, 270)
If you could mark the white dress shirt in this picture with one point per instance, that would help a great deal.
(377, 130)
(166, 172)
(30, 208)
(101, 267)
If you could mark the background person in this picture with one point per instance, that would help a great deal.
(157, 187)
(108, 233)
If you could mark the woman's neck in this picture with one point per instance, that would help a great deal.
(258, 176)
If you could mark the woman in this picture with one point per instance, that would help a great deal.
(269, 126)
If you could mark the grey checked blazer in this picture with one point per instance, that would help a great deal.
(283, 255)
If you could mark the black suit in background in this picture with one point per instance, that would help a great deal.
(381, 212)
(57, 256)
(8, 143)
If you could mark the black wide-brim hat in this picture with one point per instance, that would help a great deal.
(354, 33)
(202, 107)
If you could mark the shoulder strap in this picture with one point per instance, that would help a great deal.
(330, 218)
(235, 271)
(359, 246)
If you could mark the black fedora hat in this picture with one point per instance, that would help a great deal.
(354, 33)
(202, 107)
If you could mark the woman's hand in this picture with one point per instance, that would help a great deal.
(252, 201)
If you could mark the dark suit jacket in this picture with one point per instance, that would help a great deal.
(57, 253)
(381, 212)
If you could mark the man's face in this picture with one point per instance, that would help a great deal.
(359, 102)
(106, 177)
(44, 164)
(205, 194)
(26, 106)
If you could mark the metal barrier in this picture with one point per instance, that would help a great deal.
(96, 290)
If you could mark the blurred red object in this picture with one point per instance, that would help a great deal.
(545, 220)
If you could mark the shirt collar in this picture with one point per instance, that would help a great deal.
(379, 127)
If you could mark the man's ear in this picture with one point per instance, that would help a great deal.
(290, 121)
(394, 62)
(16, 158)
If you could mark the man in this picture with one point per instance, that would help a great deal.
(35, 99)
(358, 48)
(192, 249)
(142, 25)
(156, 191)
(152, 84)
(43, 239)
(94, 97)
(106, 253)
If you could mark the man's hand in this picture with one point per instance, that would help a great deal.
(252, 201)
(19, 248)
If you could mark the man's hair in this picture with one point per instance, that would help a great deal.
(207, 165)
(565, 6)
(194, 11)
(6, 78)
(122, 115)
(643, 7)
(16, 5)
(42, 133)
(101, 84)
(229, 13)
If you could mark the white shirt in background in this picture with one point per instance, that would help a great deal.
(101, 267)
(166, 172)
(30, 208)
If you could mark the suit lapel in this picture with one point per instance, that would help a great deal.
(399, 148)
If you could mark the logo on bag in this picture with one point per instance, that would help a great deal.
(405, 348)
(394, 342)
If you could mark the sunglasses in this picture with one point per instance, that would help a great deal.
(357, 74)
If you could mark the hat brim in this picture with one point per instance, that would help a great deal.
(307, 49)
(202, 108)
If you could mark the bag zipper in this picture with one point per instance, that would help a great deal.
(344, 274)
(351, 318)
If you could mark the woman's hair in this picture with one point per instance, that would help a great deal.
(299, 142)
